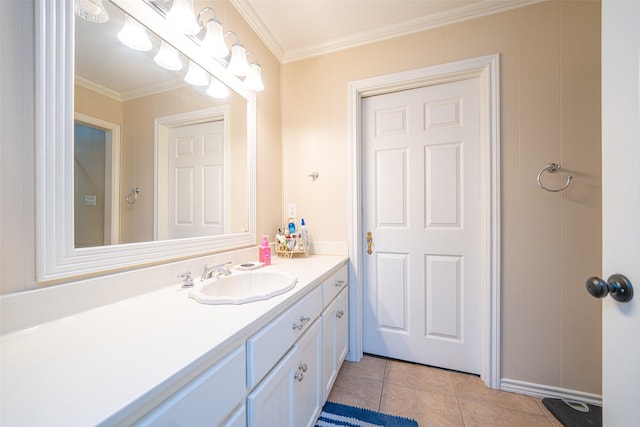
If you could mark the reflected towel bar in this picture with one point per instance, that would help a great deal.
(132, 195)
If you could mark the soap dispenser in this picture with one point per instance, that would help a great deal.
(265, 251)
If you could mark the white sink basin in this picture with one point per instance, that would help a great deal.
(243, 287)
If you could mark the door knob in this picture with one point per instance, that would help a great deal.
(617, 285)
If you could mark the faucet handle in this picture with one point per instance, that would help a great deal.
(187, 280)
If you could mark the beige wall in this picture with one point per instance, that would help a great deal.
(550, 112)
(94, 104)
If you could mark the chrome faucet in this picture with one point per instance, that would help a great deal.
(187, 280)
(215, 271)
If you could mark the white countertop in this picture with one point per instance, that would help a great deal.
(103, 365)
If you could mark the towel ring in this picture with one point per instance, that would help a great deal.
(132, 195)
(553, 168)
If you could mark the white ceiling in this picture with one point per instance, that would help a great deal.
(297, 29)
(292, 29)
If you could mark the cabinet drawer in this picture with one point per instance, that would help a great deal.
(266, 347)
(208, 399)
(334, 284)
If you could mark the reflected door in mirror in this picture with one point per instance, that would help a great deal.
(197, 171)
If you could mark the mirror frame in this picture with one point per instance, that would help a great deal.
(56, 255)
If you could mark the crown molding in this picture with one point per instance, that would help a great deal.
(259, 27)
(132, 94)
(471, 11)
(102, 90)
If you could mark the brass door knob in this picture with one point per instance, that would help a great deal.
(369, 242)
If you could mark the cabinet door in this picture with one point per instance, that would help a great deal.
(271, 402)
(290, 396)
(307, 386)
(335, 339)
(342, 328)
(329, 348)
(208, 399)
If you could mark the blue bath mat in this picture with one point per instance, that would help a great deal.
(335, 414)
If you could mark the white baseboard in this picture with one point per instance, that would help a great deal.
(540, 390)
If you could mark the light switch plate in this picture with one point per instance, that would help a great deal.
(89, 200)
(293, 210)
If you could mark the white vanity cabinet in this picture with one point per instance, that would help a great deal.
(201, 402)
(335, 327)
(310, 342)
(291, 395)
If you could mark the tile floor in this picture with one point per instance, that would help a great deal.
(434, 397)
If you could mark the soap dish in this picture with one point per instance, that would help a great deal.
(251, 265)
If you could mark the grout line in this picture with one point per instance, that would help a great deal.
(384, 377)
(455, 391)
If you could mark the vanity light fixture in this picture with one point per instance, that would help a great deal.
(238, 64)
(134, 35)
(217, 89)
(92, 11)
(182, 16)
(213, 41)
(196, 75)
(167, 57)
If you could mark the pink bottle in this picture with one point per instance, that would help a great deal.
(265, 251)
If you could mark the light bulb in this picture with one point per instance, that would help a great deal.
(196, 76)
(134, 35)
(238, 64)
(217, 89)
(92, 11)
(253, 80)
(182, 17)
(167, 57)
(213, 41)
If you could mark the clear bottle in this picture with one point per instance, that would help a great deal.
(265, 251)
(304, 235)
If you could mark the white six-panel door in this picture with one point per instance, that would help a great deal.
(421, 203)
(197, 200)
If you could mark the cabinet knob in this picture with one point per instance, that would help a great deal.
(303, 367)
(299, 376)
(339, 314)
(340, 283)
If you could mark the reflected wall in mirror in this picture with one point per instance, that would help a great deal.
(155, 157)
(136, 122)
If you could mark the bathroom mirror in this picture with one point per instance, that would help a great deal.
(138, 203)
(155, 157)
